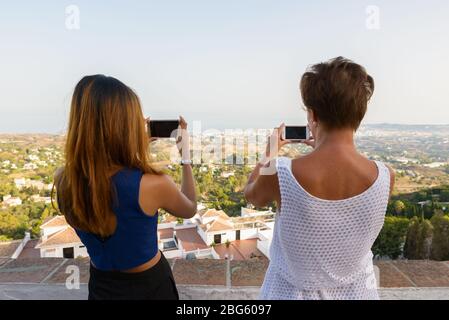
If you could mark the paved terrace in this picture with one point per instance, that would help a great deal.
(35, 278)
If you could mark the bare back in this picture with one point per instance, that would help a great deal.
(334, 173)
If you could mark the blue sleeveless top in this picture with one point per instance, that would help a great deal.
(134, 241)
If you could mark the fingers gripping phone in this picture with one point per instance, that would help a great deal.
(296, 133)
(162, 128)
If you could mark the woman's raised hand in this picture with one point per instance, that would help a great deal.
(182, 123)
(183, 139)
(311, 140)
(275, 143)
(147, 127)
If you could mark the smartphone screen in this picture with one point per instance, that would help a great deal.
(162, 128)
(295, 132)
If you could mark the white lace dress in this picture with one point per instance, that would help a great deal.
(321, 249)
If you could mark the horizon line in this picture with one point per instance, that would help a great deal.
(223, 129)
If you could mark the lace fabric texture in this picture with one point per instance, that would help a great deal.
(321, 249)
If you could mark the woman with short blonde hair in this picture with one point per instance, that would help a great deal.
(332, 201)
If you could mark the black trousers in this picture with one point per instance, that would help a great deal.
(156, 283)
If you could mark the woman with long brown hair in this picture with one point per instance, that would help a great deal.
(110, 194)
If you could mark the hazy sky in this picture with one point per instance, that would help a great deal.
(230, 64)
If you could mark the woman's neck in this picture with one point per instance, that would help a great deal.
(336, 138)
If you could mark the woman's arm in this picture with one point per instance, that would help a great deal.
(263, 187)
(261, 190)
(188, 183)
(160, 191)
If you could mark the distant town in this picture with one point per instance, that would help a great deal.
(225, 226)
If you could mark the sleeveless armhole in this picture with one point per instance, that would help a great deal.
(138, 200)
(283, 168)
(139, 186)
(384, 177)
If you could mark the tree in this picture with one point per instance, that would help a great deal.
(440, 242)
(13, 226)
(419, 239)
(399, 207)
(414, 211)
(444, 196)
(391, 239)
(4, 238)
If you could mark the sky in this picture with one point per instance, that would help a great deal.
(228, 64)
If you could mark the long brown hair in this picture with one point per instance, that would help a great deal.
(106, 132)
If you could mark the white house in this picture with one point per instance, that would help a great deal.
(217, 227)
(182, 241)
(206, 216)
(227, 174)
(9, 201)
(249, 212)
(38, 198)
(33, 157)
(29, 166)
(20, 183)
(6, 164)
(28, 183)
(193, 238)
(59, 240)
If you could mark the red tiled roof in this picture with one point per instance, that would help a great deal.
(165, 233)
(30, 251)
(214, 213)
(66, 236)
(223, 215)
(218, 225)
(56, 221)
(190, 239)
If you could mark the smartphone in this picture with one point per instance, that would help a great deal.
(296, 133)
(162, 128)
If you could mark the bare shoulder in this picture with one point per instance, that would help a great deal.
(304, 164)
(155, 181)
(301, 160)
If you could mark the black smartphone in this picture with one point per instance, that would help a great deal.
(162, 128)
(296, 133)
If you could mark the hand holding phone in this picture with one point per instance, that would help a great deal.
(183, 140)
(295, 133)
(162, 128)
